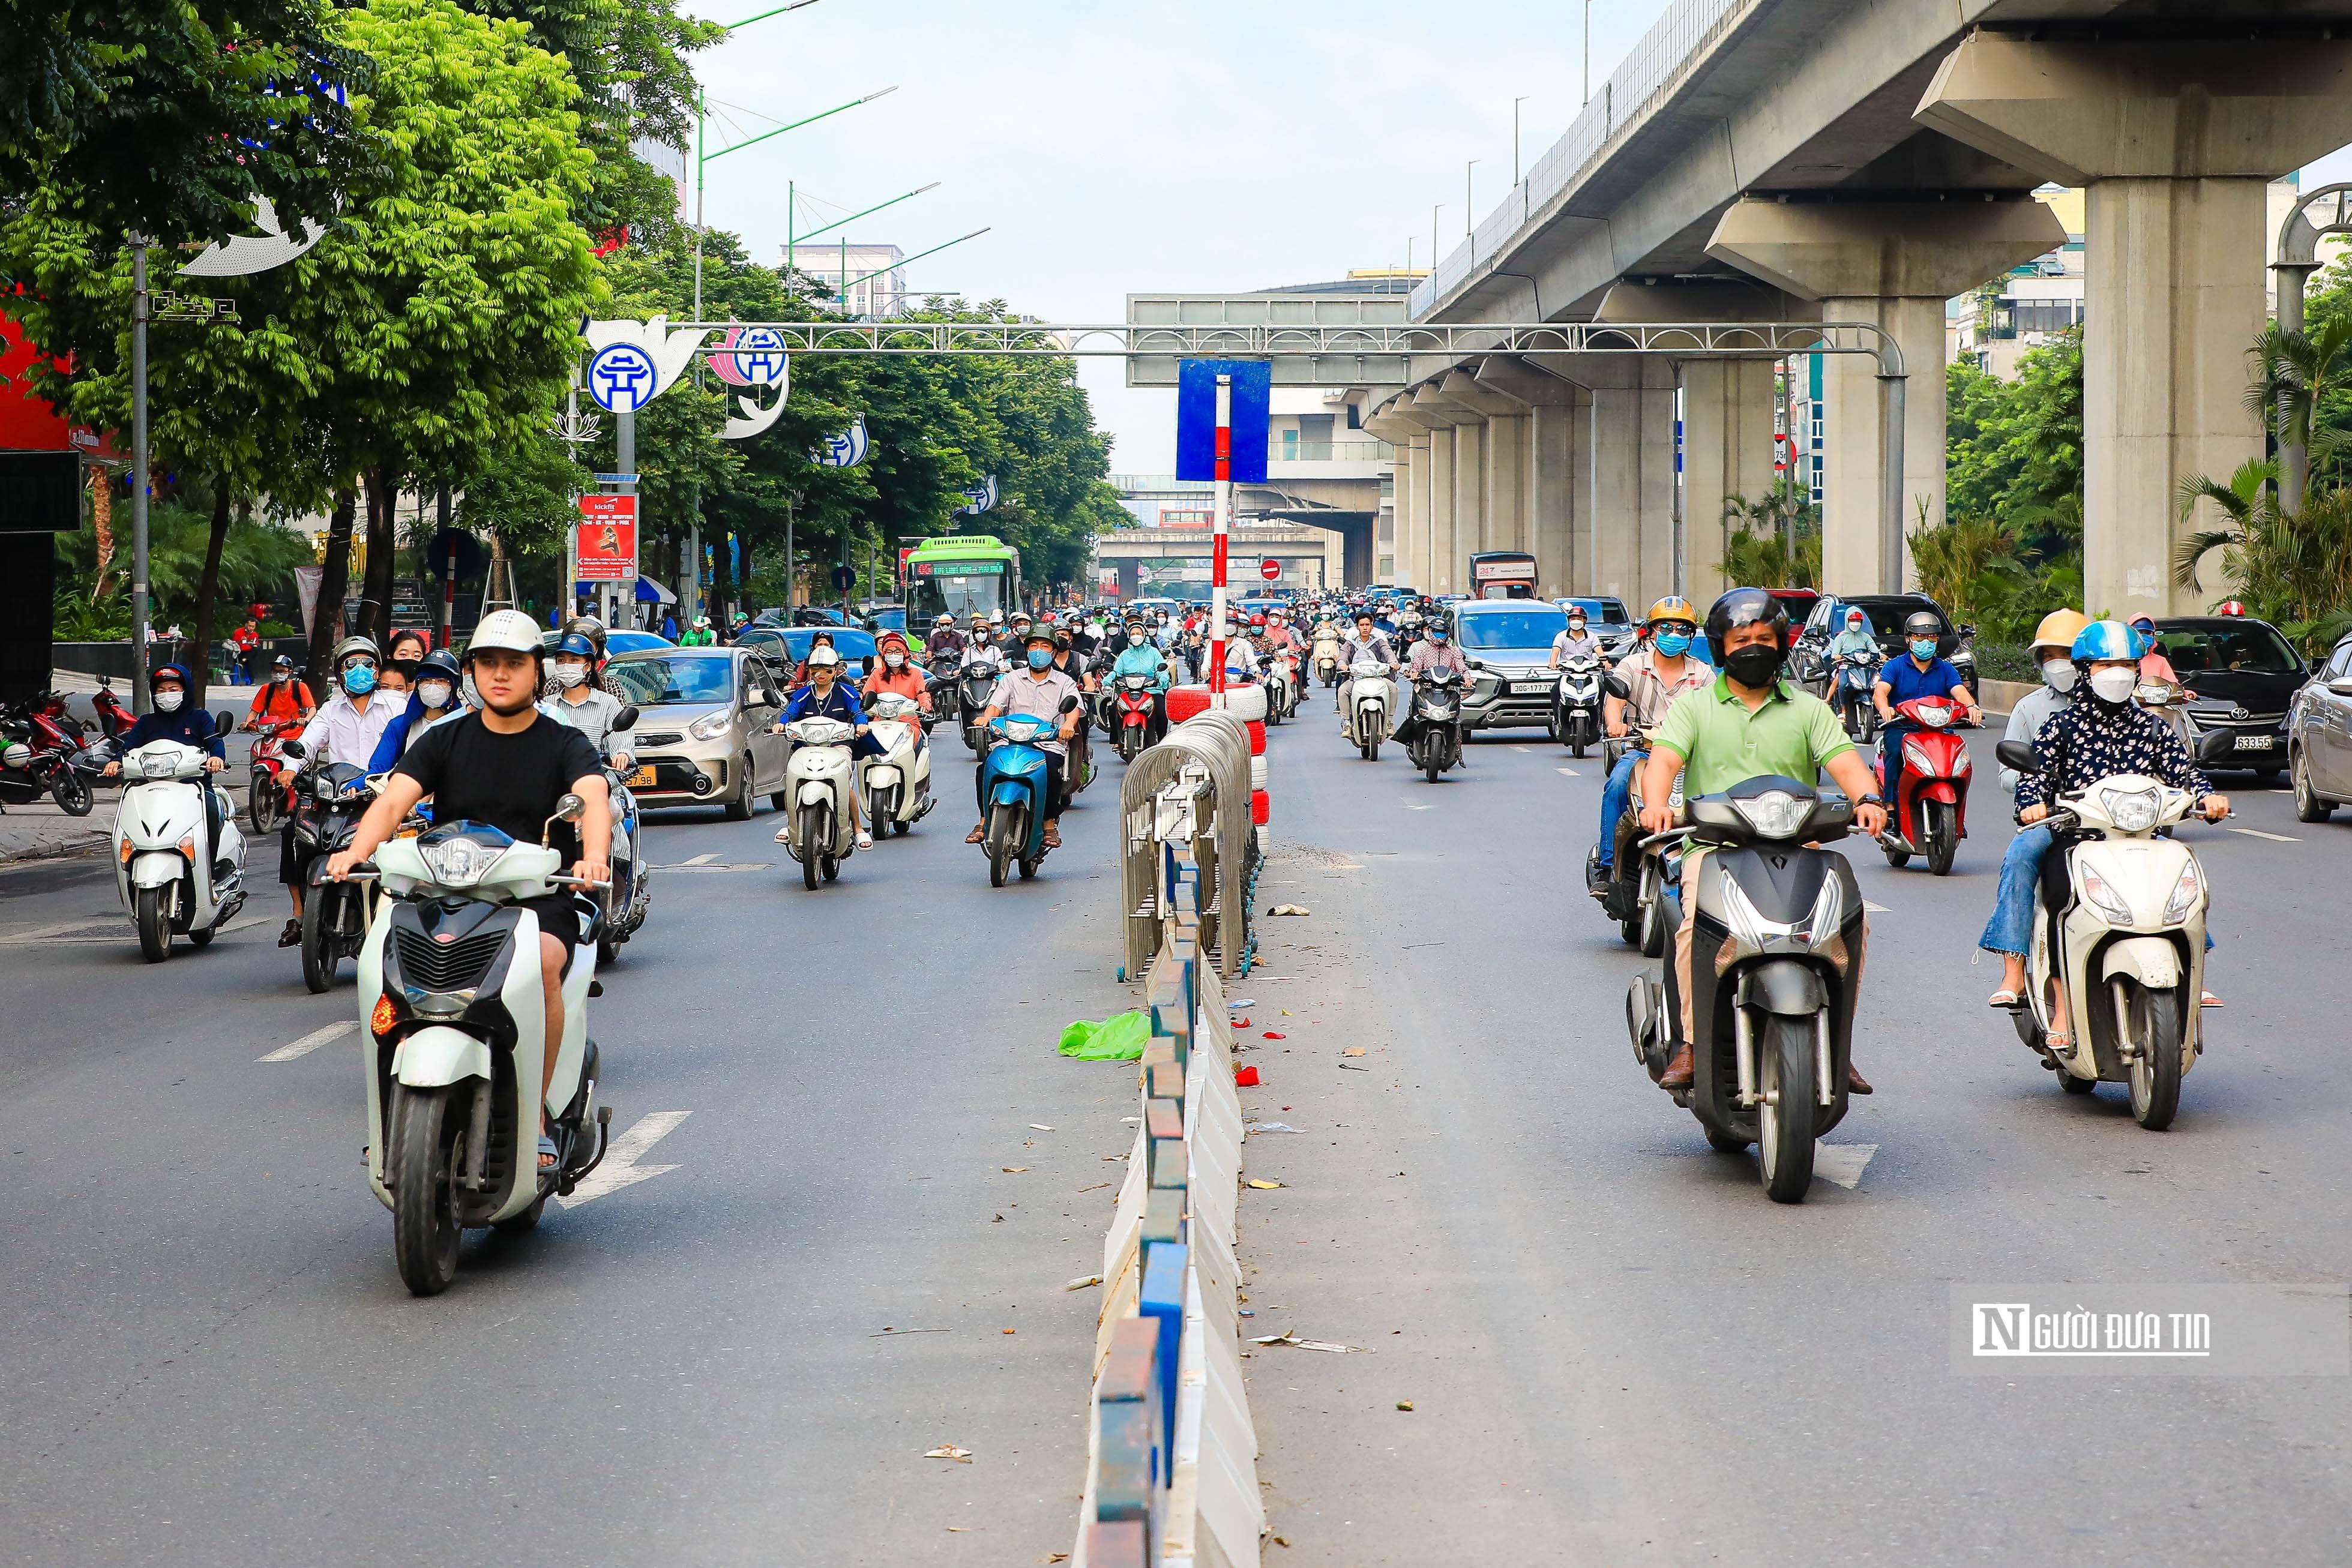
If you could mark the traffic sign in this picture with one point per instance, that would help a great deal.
(1269, 569)
(843, 579)
(1196, 418)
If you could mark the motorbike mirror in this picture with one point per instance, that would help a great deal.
(293, 747)
(1614, 684)
(2019, 755)
(2217, 746)
(567, 809)
(223, 723)
(626, 718)
(1069, 704)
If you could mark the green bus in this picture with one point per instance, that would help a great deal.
(959, 574)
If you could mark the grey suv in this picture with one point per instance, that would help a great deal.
(1507, 642)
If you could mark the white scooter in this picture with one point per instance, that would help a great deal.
(1371, 697)
(1281, 688)
(455, 1031)
(166, 882)
(896, 785)
(2132, 945)
(818, 832)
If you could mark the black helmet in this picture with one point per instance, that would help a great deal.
(1923, 623)
(441, 663)
(1744, 607)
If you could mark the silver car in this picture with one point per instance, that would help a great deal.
(1508, 644)
(703, 716)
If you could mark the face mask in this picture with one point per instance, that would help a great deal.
(360, 680)
(1576, 628)
(280, 677)
(434, 693)
(2061, 674)
(1673, 645)
(1134, 639)
(1039, 658)
(570, 675)
(1438, 638)
(168, 702)
(894, 660)
(1923, 647)
(1753, 667)
(2114, 686)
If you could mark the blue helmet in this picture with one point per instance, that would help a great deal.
(2104, 639)
(577, 645)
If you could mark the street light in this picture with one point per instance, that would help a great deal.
(847, 280)
(1435, 208)
(1515, 136)
(1467, 206)
(1588, 51)
(792, 212)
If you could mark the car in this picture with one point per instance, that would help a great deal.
(1508, 644)
(1798, 601)
(703, 717)
(857, 648)
(2243, 678)
(617, 641)
(1606, 619)
(2319, 736)
(1886, 613)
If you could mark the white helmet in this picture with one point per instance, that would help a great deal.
(509, 629)
(823, 657)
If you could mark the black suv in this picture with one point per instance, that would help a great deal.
(2242, 676)
(1887, 612)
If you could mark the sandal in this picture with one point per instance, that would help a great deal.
(546, 1153)
(977, 834)
(2006, 999)
(864, 839)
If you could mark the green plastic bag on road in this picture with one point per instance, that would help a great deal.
(1117, 1038)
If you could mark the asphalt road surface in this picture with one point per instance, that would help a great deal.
(1616, 1348)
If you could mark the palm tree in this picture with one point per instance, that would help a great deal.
(2293, 568)
(2296, 373)
(1774, 541)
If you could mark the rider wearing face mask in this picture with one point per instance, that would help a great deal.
(1036, 690)
(1654, 675)
(1139, 655)
(282, 699)
(2006, 933)
(432, 697)
(897, 675)
(586, 708)
(348, 727)
(1925, 674)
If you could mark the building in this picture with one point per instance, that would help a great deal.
(670, 164)
(875, 275)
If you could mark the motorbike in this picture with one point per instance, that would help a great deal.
(1326, 657)
(452, 1002)
(1929, 813)
(1137, 704)
(896, 785)
(1372, 695)
(1852, 678)
(166, 884)
(1576, 704)
(329, 800)
(1635, 893)
(269, 796)
(1281, 682)
(1774, 976)
(41, 753)
(1013, 786)
(2131, 944)
(819, 831)
(1432, 732)
(974, 686)
(629, 898)
(114, 719)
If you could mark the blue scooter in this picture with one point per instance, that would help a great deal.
(1012, 794)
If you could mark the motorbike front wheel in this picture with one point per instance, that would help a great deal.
(1433, 758)
(813, 833)
(427, 1150)
(71, 791)
(262, 800)
(1004, 825)
(2152, 1019)
(1943, 838)
(153, 918)
(1784, 1123)
(319, 955)
(617, 909)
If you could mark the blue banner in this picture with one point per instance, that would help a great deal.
(1196, 418)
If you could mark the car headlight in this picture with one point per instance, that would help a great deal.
(2133, 810)
(1774, 813)
(711, 726)
(2111, 902)
(460, 862)
(2184, 894)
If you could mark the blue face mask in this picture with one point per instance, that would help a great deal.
(1673, 645)
(1039, 658)
(1923, 647)
(360, 680)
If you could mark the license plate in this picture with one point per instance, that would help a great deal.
(2256, 742)
(1530, 689)
(639, 779)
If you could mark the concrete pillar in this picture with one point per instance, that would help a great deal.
(1507, 479)
(1440, 538)
(1627, 475)
(1130, 579)
(1545, 466)
(1409, 443)
(1893, 263)
(1469, 504)
(1726, 451)
(2173, 143)
(1454, 498)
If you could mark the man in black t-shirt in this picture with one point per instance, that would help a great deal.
(506, 765)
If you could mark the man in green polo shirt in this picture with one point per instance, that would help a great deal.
(1748, 724)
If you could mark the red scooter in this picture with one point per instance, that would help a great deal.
(1137, 711)
(114, 719)
(270, 801)
(41, 754)
(1929, 813)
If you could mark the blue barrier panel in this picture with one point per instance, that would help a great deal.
(1131, 1453)
(1162, 1300)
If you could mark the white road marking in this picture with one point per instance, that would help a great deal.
(1876, 909)
(1518, 748)
(1409, 805)
(695, 866)
(703, 860)
(1571, 772)
(1842, 1163)
(620, 1168)
(2275, 838)
(40, 932)
(310, 1042)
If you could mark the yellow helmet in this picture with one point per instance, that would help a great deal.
(2060, 627)
(1672, 607)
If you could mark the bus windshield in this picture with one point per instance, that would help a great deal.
(957, 588)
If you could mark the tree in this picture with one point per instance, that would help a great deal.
(1775, 540)
(2292, 568)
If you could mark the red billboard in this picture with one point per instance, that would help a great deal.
(607, 538)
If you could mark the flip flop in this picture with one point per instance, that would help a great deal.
(864, 839)
(2208, 999)
(546, 1153)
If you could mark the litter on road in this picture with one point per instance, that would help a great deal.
(1083, 1283)
(1263, 1185)
(1291, 909)
(950, 1451)
(1290, 1338)
(1270, 1127)
(1119, 1038)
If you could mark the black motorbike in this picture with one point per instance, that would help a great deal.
(1576, 704)
(329, 802)
(1852, 678)
(1432, 733)
(1776, 961)
(975, 684)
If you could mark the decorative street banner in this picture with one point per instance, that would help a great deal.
(846, 449)
(745, 359)
(242, 255)
(607, 538)
(635, 363)
(981, 498)
(1196, 418)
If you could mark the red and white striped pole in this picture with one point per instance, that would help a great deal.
(1223, 503)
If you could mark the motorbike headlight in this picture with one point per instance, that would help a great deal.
(326, 789)
(1935, 718)
(2184, 894)
(459, 862)
(2133, 810)
(2110, 903)
(159, 766)
(1774, 813)
(711, 726)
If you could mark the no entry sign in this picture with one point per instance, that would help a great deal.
(607, 548)
(1269, 569)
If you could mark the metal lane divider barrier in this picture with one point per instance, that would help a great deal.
(1192, 791)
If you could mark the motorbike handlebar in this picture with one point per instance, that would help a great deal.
(579, 882)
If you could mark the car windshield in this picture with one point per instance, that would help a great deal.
(1885, 619)
(889, 619)
(1603, 612)
(1528, 628)
(650, 683)
(2248, 645)
(847, 641)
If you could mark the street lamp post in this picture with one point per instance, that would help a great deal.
(1468, 205)
(1515, 137)
(1588, 51)
(701, 158)
(138, 308)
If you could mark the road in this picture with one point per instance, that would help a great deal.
(1616, 1349)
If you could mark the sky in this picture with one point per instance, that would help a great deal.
(1112, 148)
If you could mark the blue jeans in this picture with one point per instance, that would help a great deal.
(1890, 764)
(1617, 791)
(2011, 929)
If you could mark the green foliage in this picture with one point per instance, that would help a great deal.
(257, 562)
(1774, 541)
(2014, 449)
(2293, 569)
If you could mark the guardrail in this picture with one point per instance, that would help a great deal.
(1189, 796)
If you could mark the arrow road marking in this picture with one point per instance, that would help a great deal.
(620, 1168)
(1571, 772)
(310, 1042)
(1842, 1162)
(2258, 834)
(1876, 909)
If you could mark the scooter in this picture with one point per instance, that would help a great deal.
(1432, 732)
(1634, 895)
(2135, 921)
(819, 832)
(896, 785)
(974, 686)
(1326, 661)
(1576, 704)
(454, 1009)
(1136, 704)
(1371, 697)
(41, 753)
(1774, 976)
(630, 897)
(330, 802)
(114, 719)
(1853, 676)
(1013, 786)
(269, 796)
(160, 872)
(1929, 814)
(1281, 684)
